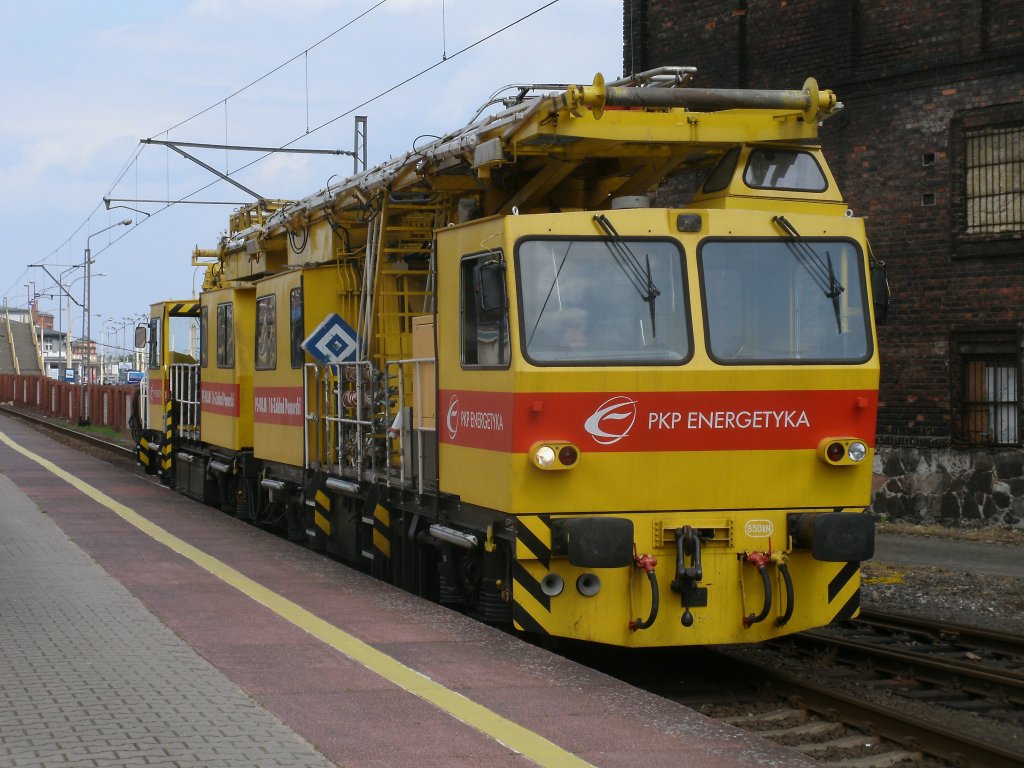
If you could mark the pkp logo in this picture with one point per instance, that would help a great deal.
(452, 417)
(612, 420)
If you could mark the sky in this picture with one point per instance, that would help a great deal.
(82, 83)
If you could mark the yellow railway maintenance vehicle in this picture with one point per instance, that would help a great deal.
(489, 372)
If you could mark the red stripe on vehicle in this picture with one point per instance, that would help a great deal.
(278, 405)
(656, 421)
(221, 399)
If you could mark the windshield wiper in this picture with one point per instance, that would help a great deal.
(638, 275)
(551, 289)
(819, 269)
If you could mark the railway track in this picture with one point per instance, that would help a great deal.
(883, 691)
(894, 690)
(75, 436)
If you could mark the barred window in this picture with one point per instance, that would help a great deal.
(987, 181)
(987, 370)
(994, 167)
(990, 402)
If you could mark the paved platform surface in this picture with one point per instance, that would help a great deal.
(89, 677)
(140, 628)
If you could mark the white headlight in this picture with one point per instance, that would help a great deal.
(545, 456)
(857, 451)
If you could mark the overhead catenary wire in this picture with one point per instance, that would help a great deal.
(278, 68)
(362, 104)
(133, 157)
(137, 150)
(166, 132)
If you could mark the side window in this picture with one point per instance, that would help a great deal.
(266, 333)
(986, 196)
(204, 336)
(722, 175)
(484, 312)
(225, 336)
(784, 169)
(986, 370)
(295, 323)
(154, 342)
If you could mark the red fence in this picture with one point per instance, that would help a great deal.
(102, 405)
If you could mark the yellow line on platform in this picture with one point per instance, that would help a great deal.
(514, 736)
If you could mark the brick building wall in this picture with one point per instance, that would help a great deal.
(924, 86)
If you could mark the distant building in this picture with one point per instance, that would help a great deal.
(54, 351)
(929, 147)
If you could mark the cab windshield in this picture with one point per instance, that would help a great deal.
(782, 301)
(602, 301)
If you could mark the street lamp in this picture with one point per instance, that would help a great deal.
(86, 318)
(67, 333)
(64, 290)
(82, 345)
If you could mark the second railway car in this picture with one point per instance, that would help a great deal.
(491, 372)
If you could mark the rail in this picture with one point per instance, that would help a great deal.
(951, 667)
(70, 433)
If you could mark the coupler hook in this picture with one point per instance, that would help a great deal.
(687, 578)
(647, 562)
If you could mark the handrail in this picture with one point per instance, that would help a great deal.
(39, 350)
(10, 341)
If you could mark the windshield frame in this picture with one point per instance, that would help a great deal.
(858, 286)
(683, 289)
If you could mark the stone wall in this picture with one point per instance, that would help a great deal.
(953, 487)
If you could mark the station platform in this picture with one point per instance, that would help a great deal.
(140, 628)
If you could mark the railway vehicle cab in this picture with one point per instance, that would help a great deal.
(170, 391)
(663, 404)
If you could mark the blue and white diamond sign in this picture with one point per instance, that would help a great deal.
(333, 341)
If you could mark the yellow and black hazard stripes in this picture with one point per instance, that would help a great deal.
(322, 511)
(531, 607)
(167, 448)
(320, 523)
(844, 592)
(382, 531)
(183, 309)
(142, 451)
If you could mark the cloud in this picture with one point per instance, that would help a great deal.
(88, 80)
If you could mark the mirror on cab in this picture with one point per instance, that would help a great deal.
(489, 282)
(880, 292)
(140, 336)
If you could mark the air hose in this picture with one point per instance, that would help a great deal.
(761, 560)
(787, 579)
(647, 562)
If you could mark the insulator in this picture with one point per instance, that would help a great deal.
(350, 398)
(354, 372)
